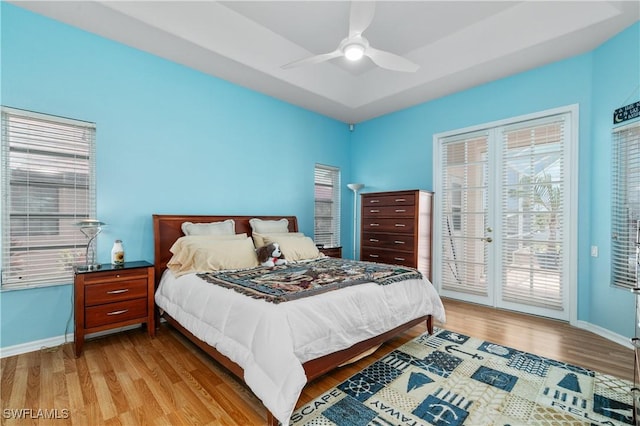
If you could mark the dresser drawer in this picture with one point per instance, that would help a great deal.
(401, 225)
(388, 211)
(97, 294)
(408, 199)
(387, 256)
(402, 242)
(115, 275)
(110, 313)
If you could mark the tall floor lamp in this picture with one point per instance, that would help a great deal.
(355, 187)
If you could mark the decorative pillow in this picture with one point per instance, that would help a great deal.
(269, 226)
(295, 248)
(258, 238)
(214, 255)
(191, 242)
(227, 227)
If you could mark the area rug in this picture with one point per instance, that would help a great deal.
(452, 379)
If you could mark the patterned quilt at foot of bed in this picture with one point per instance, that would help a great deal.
(296, 280)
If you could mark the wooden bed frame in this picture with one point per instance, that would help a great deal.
(168, 228)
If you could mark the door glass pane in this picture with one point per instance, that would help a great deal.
(464, 215)
(532, 214)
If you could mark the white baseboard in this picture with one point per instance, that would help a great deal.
(607, 334)
(52, 342)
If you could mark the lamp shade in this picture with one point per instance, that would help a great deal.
(90, 228)
(355, 187)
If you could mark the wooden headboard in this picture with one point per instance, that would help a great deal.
(168, 228)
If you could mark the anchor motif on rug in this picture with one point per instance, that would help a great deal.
(454, 348)
(444, 408)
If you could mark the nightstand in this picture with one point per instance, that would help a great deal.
(113, 296)
(331, 251)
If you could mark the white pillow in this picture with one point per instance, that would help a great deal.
(258, 238)
(269, 226)
(227, 227)
(295, 248)
(214, 255)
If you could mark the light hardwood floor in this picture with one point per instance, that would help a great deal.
(130, 379)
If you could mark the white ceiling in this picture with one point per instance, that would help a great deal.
(458, 44)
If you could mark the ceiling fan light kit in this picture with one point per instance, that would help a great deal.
(354, 52)
(355, 46)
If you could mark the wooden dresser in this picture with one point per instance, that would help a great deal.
(111, 297)
(396, 228)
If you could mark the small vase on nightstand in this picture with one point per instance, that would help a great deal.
(117, 254)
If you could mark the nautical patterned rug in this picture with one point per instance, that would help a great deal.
(451, 379)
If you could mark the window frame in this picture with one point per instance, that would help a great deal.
(48, 161)
(320, 230)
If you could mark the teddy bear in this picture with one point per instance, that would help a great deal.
(270, 255)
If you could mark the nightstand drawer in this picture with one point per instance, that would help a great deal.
(115, 275)
(97, 294)
(331, 251)
(110, 313)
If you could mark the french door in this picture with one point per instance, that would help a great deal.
(504, 228)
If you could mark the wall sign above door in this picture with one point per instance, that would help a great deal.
(625, 113)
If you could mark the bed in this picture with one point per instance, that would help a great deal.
(276, 348)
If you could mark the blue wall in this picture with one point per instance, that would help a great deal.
(169, 140)
(173, 140)
(616, 82)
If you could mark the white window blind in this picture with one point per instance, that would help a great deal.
(625, 213)
(464, 195)
(533, 184)
(48, 185)
(327, 205)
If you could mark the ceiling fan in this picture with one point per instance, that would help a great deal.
(355, 46)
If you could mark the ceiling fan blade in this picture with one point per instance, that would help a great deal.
(361, 16)
(313, 59)
(390, 61)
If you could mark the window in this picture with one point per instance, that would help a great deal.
(327, 205)
(48, 185)
(625, 209)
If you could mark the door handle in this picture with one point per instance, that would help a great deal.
(487, 239)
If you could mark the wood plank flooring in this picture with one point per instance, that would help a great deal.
(129, 379)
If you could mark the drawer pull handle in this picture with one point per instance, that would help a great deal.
(400, 225)
(401, 259)
(374, 211)
(373, 240)
(400, 200)
(124, 290)
(374, 224)
(123, 311)
(374, 255)
(400, 210)
(374, 201)
(399, 242)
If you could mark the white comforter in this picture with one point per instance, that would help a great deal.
(271, 341)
